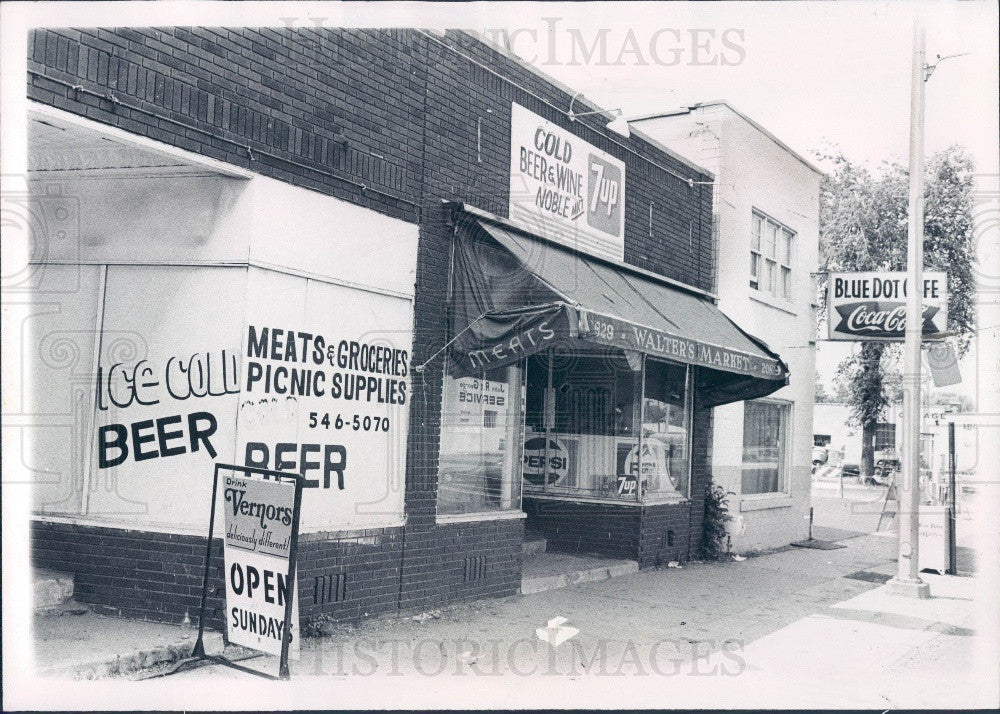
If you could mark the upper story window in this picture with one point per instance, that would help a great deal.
(771, 250)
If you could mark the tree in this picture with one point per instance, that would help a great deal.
(839, 395)
(863, 222)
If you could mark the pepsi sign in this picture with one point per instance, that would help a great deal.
(535, 469)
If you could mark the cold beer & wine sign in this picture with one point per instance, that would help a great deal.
(872, 306)
(564, 188)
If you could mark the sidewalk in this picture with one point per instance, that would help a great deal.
(797, 626)
(89, 646)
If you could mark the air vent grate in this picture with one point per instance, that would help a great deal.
(329, 588)
(474, 569)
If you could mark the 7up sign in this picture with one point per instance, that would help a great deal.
(565, 189)
(604, 205)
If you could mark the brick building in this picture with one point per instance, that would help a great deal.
(767, 225)
(392, 260)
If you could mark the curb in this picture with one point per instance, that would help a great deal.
(530, 586)
(136, 661)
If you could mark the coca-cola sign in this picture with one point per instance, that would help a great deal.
(872, 306)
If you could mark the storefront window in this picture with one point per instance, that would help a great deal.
(481, 431)
(764, 427)
(592, 413)
(665, 430)
(590, 410)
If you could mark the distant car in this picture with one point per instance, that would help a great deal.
(850, 471)
(820, 455)
(884, 468)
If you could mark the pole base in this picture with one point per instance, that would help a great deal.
(909, 588)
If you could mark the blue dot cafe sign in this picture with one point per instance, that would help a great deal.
(872, 306)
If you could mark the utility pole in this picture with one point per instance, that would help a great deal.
(907, 580)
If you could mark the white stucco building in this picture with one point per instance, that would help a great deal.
(766, 213)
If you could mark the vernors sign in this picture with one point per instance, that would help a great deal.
(258, 517)
(872, 306)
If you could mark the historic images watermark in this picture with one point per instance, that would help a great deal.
(50, 381)
(558, 42)
(555, 651)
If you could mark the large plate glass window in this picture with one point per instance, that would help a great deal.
(588, 405)
(481, 431)
(582, 424)
(666, 426)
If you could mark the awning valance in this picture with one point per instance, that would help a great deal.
(515, 295)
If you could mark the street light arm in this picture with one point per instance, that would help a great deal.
(929, 68)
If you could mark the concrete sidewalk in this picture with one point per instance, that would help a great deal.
(84, 645)
(793, 627)
(876, 650)
(798, 627)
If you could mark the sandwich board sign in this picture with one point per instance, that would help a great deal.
(261, 509)
(258, 540)
(934, 545)
(872, 306)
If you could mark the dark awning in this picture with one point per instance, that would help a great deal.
(515, 295)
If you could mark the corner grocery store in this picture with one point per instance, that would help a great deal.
(543, 345)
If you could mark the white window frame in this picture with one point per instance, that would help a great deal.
(771, 271)
(784, 486)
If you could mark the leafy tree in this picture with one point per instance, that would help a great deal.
(838, 395)
(863, 222)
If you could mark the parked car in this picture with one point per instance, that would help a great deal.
(884, 469)
(848, 470)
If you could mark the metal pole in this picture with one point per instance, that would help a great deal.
(907, 581)
(548, 408)
(511, 430)
(199, 645)
(293, 555)
(952, 502)
(640, 394)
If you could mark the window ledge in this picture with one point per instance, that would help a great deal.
(580, 499)
(443, 518)
(765, 299)
(648, 501)
(660, 500)
(762, 501)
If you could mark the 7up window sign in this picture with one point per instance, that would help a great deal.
(565, 189)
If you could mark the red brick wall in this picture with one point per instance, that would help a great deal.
(598, 528)
(385, 119)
